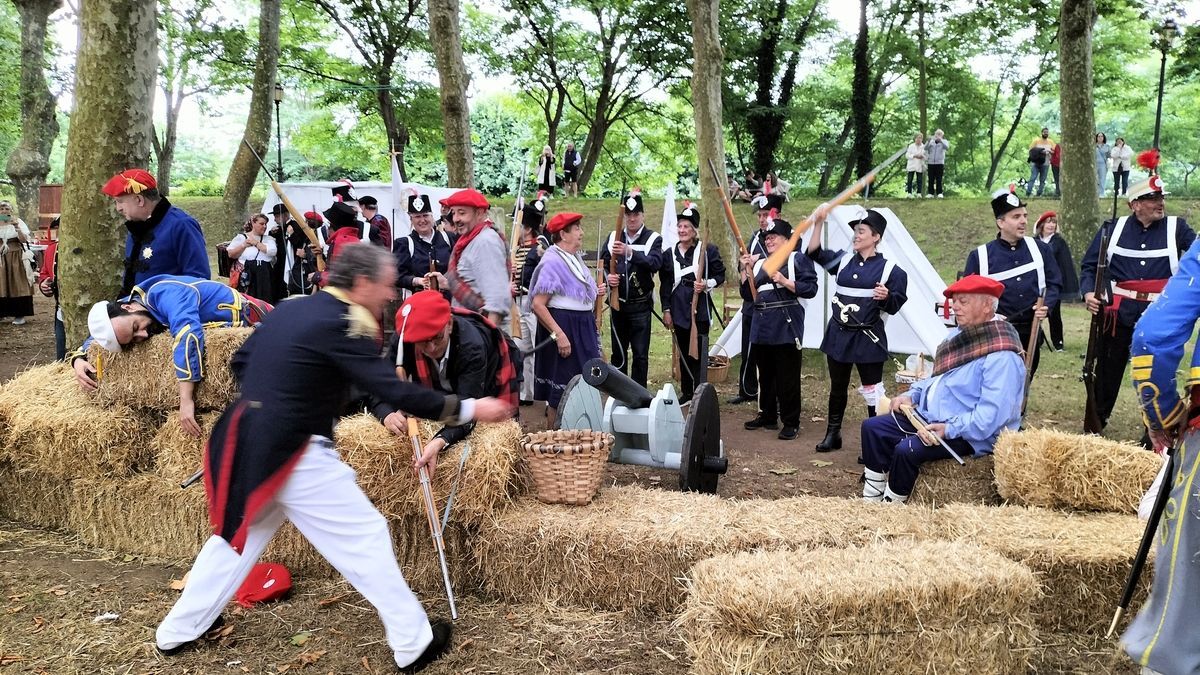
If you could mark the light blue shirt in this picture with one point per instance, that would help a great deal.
(977, 400)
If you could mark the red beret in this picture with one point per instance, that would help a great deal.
(1044, 217)
(312, 215)
(562, 221)
(468, 197)
(129, 182)
(422, 316)
(974, 283)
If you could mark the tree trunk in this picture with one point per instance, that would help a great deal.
(29, 162)
(452, 75)
(708, 61)
(244, 171)
(1080, 207)
(860, 99)
(592, 149)
(397, 131)
(922, 75)
(110, 131)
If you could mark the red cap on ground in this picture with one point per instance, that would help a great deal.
(468, 197)
(974, 283)
(266, 582)
(129, 182)
(422, 316)
(562, 221)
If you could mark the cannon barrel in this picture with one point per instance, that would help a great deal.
(603, 376)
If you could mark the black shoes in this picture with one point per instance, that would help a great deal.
(788, 433)
(760, 423)
(435, 650)
(218, 623)
(832, 440)
(741, 398)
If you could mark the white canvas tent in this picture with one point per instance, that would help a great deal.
(916, 329)
(305, 196)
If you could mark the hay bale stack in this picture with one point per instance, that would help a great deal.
(945, 482)
(54, 429)
(33, 498)
(1040, 467)
(143, 515)
(177, 455)
(384, 462)
(1081, 559)
(631, 546)
(144, 377)
(891, 607)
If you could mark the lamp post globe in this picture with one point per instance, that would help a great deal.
(1165, 36)
(278, 134)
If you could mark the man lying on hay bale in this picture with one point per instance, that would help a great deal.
(270, 457)
(452, 351)
(181, 305)
(975, 392)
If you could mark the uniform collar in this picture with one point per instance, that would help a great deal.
(362, 322)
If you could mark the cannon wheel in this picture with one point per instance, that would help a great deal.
(580, 406)
(701, 441)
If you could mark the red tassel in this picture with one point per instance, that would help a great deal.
(1148, 159)
(772, 215)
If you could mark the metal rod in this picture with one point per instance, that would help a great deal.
(922, 425)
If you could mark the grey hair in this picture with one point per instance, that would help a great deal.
(151, 195)
(360, 259)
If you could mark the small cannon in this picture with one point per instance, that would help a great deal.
(650, 430)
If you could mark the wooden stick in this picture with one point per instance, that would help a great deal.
(1030, 348)
(614, 293)
(732, 222)
(292, 210)
(693, 339)
(922, 427)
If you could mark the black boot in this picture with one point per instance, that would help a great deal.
(870, 411)
(436, 648)
(833, 434)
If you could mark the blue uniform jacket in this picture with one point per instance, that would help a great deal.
(1158, 342)
(855, 332)
(677, 297)
(170, 242)
(637, 271)
(976, 400)
(778, 313)
(412, 256)
(1021, 289)
(1124, 266)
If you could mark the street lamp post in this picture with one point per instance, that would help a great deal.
(1166, 35)
(279, 131)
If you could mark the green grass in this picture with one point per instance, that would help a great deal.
(945, 229)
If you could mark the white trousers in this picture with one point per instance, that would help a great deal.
(324, 502)
(525, 344)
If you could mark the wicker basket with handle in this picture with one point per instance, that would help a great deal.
(567, 466)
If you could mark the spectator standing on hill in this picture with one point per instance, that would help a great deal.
(1048, 231)
(1102, 163)
(545, 171)
(1039, 161)
(915, 153)
(1056, 167)
(935, 162)
(1122, 159)
(571, 162)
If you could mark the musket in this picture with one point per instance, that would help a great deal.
(732, 222)
(1139, 561)
(292, 210)
(693, 339)
(614, 294)
(922, 426)
(780, 256)
(600, 300)
(1092, 424)
(1029, 350)
(514, 244)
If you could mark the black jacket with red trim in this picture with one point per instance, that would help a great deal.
(295, 372)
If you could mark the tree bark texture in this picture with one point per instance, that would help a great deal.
(922, 70)
(29, 163)
(244, 170)
(708, 61)
(110, 131)
(446, 39)
(1080, 213)
(860, 97)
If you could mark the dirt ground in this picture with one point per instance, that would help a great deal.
(54, 590)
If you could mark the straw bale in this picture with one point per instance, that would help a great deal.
(1041, 467)
(33, 498)
(891, 607)
(945, 482)
(55, 429)
(630, 547)
(384, 462)
(1081, 559)
(144, 515)
(144, 376)
(177, 455)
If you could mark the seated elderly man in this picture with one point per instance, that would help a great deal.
(179, 304)
(975, 392)
(453, 351)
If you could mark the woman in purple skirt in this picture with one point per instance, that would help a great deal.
(564, 296)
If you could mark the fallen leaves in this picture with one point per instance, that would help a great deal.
(59, 590)
(820, 463)
(179, 584)
(9, 658)
(299, 639)
(784, 470)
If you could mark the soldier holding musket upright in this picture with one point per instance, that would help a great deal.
(748, 371)
(638, 252)
(1143, 252)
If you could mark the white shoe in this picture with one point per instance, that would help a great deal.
(19, 321)
(940, 196)
(890, 497)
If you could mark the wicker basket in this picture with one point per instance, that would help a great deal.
(718, 367)
(567, 466)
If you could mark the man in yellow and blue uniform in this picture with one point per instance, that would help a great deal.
(1163, 637)
(181, 305)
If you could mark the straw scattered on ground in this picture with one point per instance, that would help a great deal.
(1081, 559)
(1041, 467)
(889, 607)
(143, 376)
(946, 482)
